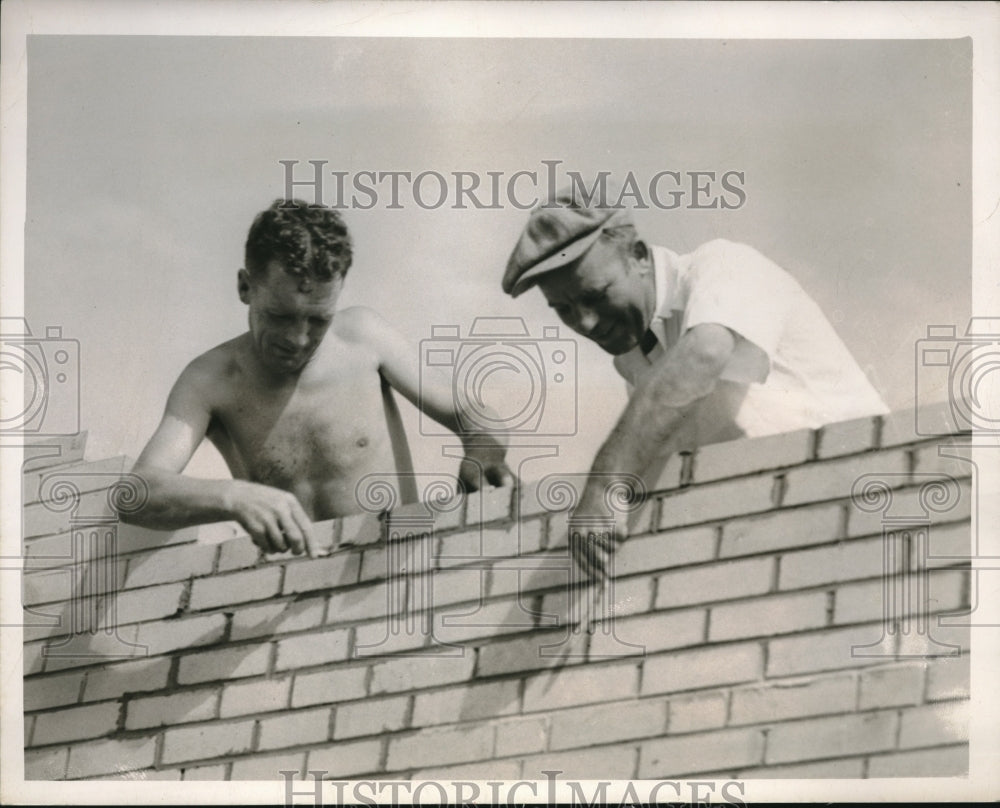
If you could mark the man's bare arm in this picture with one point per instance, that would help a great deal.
(274, 518)
(687, 373)
(430, 392)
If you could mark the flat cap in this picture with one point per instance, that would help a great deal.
(559, 231)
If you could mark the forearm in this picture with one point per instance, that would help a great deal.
(173, 501)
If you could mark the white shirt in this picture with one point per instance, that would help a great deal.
(789, 369)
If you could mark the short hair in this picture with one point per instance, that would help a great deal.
(309, 240)
(623, 236)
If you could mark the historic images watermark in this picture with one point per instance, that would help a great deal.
(667, 189)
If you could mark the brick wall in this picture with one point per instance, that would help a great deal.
(749, 632)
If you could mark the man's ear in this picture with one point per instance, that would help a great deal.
(243, 285)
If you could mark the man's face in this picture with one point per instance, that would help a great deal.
(606, 295)
(289, 315)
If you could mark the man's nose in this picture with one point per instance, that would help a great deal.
(586, 320)
(297, 336)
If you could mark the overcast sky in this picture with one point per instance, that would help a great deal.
(149, 156)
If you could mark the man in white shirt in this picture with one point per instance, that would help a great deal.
(715, 345)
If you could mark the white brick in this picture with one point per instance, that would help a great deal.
(702, 752)
(458, 624)
(741, 457)
(45, 764)
(521, 736)
(944, 458)
(90, 721)
(934, 725)
(175, 708)
(170, 635)
(906, 508)
(370, 717)
(316, 648)
(293, 728)
(466, 703)
(269, 619)
(267, 767)
(844, 561)
(566, 687)
(706, 667)
(647, 634)
(435, 747)
(305, 575)
(487, 505)
(839, 736)
(847, 437)
(794, 699)
(477, 544)
(168, 564)
(107, 757)
(698, 712)
(541, 650)
(346, 759)
(322, 687)
(948, 679)
(427, 670)
(892, 686)
(705, 503)
(237, 587)
(226, 663)
(606, 723)
(52, 691)
(843, 769)
(799, 527)
(673, 548)
(777, 614)
(615, 762)
(950, 762)
(834, 479)
(830, 649)
(261, 696)
(206, 741)
(714, 582)
(216, 772)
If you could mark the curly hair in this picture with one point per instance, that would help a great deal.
(310, 240)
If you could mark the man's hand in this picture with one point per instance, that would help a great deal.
(484, 465)
(274, 518)
(593, 539)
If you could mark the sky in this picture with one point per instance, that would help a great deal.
(148, 158)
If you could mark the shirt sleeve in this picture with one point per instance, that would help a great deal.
(733, 285)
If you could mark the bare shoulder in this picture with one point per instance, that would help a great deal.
(206, 374)
(361, 324)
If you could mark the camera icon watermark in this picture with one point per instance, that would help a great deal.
(962, 369)
(48, 370)
(502, 378)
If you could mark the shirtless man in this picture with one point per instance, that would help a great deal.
(299, 406)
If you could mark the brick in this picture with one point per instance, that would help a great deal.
(831, 649)
(834, 479)
(507, 578)
(236, 587)
(445, 587)
(795, 699)
(483, 770)
(856, 603)
(839, 736)
(268, 619)
(206, 741)
(360, 529)
(464, 623)
(108, 757)
(41, 692)
(623, 597)
(541, 650)
(674, 472)
(948, 545)
(844, 561)
(698, 712)
(267, 767)
(782, 530)
(606, 723)
(673, 548)
(255, 697)
(777, 614)
(323, 687)
(521, 736)
(647, 634)
(85, 648)
(554, 493)
(738, 458)
(45, 764)
(933, 419)
(952, 761)
(317, 648)
(706, 503)
(226, 663)
(169, 564)
(434, 747)
(149, 603)
(390, 635)
(466, 703)
(948, 679)
(239, 553)
(346, 759)
(427, 670)
(48, 585)
(45, 517)
(906, 508)
(843, 769)
(566, 687)
(941, 640)
(370, 717)
(216, 772)
(144, 775)
(90, 721)
(944, 459)
(933, 725)
(171, 635)
(32, 662)
(294, 728)
(398, 560)
(605, 762)
(892, 686)
(175, 708)
(700, 752)
(708, 667)
(847, 437)
(714, 582)
(477, 545)
(322, 573)
(487, 505)
(364, 603)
